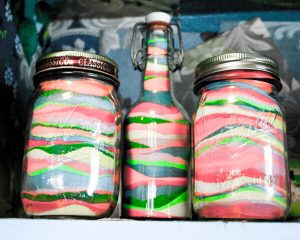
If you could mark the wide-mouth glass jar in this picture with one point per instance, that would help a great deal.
(71, 161)
(240, 166)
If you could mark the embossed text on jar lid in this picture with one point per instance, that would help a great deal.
(82, 61)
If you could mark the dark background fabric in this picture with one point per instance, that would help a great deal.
(11, 138)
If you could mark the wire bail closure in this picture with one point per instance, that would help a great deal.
(139, 46)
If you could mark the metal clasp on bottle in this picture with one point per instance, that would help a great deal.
(138, 47)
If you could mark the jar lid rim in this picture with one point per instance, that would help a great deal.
(236, 61)
(82, 61)
(77, 54)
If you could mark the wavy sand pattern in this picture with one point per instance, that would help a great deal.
(158, 145)
(240, 158)
(72, 156)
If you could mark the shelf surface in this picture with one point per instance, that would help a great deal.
(109, 229)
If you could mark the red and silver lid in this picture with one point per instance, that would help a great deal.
(78, 61)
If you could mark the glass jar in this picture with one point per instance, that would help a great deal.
(240, 169)
(71, 161)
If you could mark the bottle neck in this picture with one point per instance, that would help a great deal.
(156, 76)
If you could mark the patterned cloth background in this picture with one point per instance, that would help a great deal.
(10, 135)
(19, 48)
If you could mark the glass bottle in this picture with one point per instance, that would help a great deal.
(155, 173)
(240, 169)
(71, 162)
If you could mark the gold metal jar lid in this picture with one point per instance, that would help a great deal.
(236, 61)
(78, 61)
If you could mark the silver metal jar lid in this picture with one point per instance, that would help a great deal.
(236, 61)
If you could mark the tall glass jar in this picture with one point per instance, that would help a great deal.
(240, 169)
(158, 148)
(71, 161)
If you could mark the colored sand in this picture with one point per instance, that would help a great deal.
(158, 145)
(240, 158)
(72, 156)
